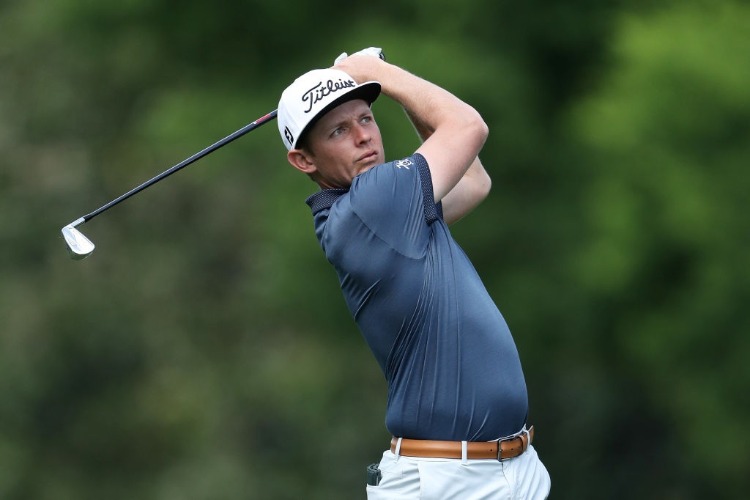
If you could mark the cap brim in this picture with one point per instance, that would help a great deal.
(368, 92)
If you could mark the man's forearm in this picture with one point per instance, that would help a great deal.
(427, 105)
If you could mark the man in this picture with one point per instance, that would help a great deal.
(457, 401)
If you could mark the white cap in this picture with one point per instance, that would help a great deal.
(314, 94)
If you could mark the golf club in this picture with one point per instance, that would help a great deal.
(81, 247)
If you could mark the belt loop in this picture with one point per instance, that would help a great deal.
(464, 452)
(525, 442)
(398, 447)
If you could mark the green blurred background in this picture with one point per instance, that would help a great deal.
(204, 350)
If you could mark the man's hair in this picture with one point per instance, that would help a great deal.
(304, 141)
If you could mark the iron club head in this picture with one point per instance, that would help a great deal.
(79, 246)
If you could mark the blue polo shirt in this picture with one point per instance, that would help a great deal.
(451, 364)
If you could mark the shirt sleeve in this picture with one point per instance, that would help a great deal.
(432, 211)
(396, 202)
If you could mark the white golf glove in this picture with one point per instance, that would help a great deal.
(370, 51)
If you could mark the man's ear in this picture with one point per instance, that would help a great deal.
(301, 160)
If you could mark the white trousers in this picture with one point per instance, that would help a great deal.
(411, 478)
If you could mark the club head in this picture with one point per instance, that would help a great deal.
(79, 246)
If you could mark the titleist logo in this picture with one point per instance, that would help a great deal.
(324, 89)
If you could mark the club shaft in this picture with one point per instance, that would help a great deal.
(197, 156)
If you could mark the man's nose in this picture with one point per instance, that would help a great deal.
(362, 134)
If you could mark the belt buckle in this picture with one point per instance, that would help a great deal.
(524, 445)
(500, 450)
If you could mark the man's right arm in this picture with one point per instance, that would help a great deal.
(457, 133)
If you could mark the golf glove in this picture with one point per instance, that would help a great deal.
(371, 51)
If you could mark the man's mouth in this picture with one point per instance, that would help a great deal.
(367, 157)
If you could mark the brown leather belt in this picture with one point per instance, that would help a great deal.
(498, 450)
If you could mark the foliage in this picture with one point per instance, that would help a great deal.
(204, 350)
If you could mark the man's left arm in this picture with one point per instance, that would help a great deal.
(473, 187)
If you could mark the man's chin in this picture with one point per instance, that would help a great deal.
(374, 162)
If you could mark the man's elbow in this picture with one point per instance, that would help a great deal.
(484, 130)
(484, 186)
(479, 128)
(481, 182)
(484, 183)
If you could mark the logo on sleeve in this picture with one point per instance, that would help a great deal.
(405, 163)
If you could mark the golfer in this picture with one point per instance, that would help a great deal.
(457, 401)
